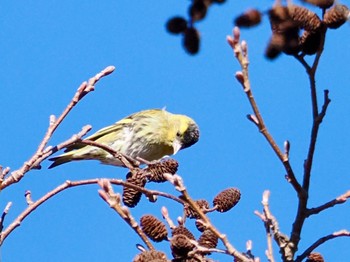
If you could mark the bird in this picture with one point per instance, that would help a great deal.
(149, 134)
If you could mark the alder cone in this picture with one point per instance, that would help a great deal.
(227, 199)
(315, 257)
(153, 228)
(131, 196)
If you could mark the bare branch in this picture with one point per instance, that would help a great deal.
(34, 205)
(339, 200)
(33, 162)
(177, 181)
(113, 200)
(241, 53)
(341, 233)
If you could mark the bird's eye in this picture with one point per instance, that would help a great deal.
(178, 134)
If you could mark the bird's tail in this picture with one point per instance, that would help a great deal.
(59, 160)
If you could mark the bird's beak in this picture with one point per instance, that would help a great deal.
(176, 146)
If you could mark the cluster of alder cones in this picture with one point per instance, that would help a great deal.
(295, 29)
(183, 244)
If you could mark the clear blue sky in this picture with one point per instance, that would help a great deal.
(48, 48)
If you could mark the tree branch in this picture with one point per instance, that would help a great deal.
(241, 53)
(176, 180)
(113, 200)
(339, 200)
(33, 162)
(341, 233)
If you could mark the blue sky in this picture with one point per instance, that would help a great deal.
(48, 48)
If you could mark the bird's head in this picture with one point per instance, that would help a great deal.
(187, 133)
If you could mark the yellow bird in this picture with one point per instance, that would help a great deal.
(149, 134)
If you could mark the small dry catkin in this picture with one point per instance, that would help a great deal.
(153, 228)
(176, 25)
(249, 18)
(191, 40)
(227, 199)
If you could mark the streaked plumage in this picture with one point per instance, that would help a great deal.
(150, 134)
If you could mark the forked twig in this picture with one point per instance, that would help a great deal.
(240, 50)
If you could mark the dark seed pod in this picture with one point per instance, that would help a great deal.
(336, 16)
(291, 40)
(183, 231)
(315, 257)
(131, 196)
(155, 172)
(227, 199)
(176, 25)
(180, 246)
(304, 18)
(198, 10)
(153, 228)
(191, 40)
(249, 18)
(150, 256)
(208, 239)
(190, 213)
(200, 226)
(320, 3)
(310, 42)
(275, 46)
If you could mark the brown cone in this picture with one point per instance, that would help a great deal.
(131, 196)
(208, 239)
(304, 18)
(191, 40)
(315, 257)
(153, 228)
(310, 42)
(249, 18)
(180, 246)
(336, 16)
(150, 256)
(183, 231)
(227, 199)
(155, 172)
(190, 213)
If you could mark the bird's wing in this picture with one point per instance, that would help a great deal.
(126, 122)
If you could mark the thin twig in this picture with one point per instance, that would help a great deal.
(84, 89)
(32, 205)
(240, 50)
(126, 160)
(3, 215)
(341, 233)
(113, 200)
(317, 118)
(339, 200)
